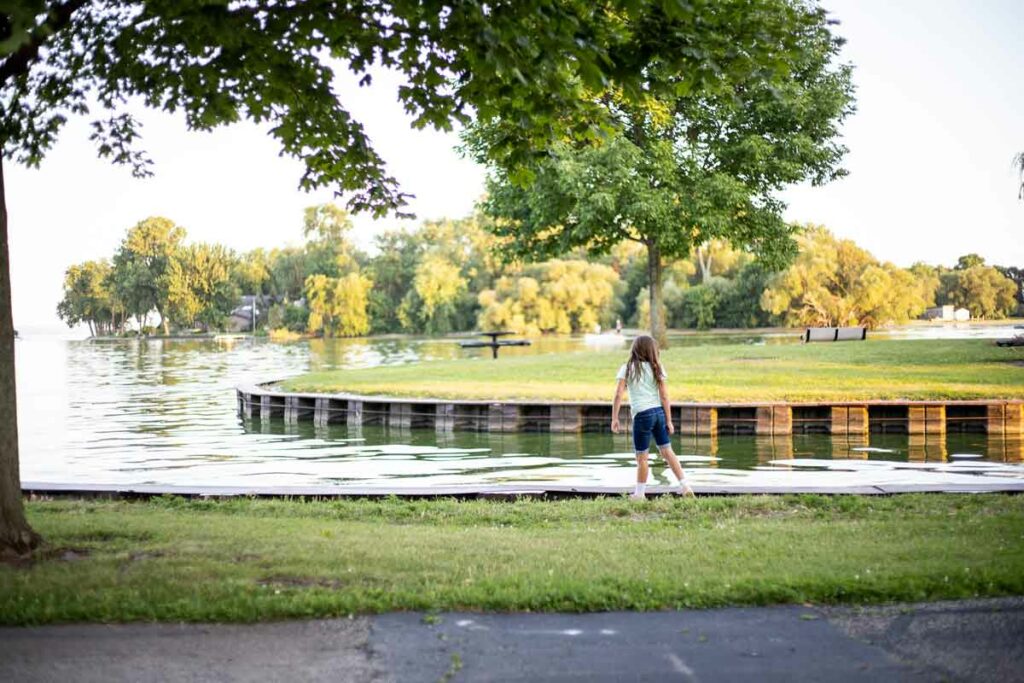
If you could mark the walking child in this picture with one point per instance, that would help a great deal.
(645, 379)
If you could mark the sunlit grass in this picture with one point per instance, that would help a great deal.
(890, 369)
(245, 560)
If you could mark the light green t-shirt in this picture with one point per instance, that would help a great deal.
(643, 391)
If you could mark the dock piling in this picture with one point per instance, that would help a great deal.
(566, 418)
(444, 417)
(932, 418)
(354, 413)
(400, 415)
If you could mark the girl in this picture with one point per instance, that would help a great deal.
(643, 375)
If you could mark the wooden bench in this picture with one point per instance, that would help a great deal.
(834, 334)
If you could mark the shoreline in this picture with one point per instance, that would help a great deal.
(626, 332)
(62, 491)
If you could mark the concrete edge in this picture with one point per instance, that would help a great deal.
(268, 388)
(57, 489)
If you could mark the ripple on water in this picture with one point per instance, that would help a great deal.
(164, 412)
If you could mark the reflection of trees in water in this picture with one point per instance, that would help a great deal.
(774, 447)
(337, 354)
(1005, 448)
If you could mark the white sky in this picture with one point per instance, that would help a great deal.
(939, 118)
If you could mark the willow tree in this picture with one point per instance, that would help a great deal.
(273, 62)
(699, 155)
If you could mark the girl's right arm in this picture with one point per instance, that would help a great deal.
(620, 388)
(666, 406)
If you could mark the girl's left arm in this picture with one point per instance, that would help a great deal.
(663, 395)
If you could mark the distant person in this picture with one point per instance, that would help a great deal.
(618, 326)
(645, 379)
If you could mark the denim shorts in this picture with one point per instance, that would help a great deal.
(647, 422)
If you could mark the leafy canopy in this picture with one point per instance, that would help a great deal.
(981, 289)
(87, 296)
(559, 296)
(535, 65)
(701, 154)
(142, 265)
(338, 305)
(834, 282)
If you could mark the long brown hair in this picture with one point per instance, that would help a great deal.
(644, 350)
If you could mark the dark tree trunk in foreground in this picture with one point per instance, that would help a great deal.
(15, 534)
(658, 330)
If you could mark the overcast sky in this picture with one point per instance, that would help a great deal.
(939, 118)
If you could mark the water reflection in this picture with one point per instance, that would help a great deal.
(163, 412)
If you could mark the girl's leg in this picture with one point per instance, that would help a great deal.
(642, 471)
(673, 462)
(641, 446)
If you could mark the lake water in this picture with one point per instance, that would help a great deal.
(164, 412)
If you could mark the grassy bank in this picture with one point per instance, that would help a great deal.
(245, 560)
(891, 369)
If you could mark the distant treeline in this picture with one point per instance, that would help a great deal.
(448, 276)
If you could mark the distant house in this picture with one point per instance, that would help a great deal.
(947, 313)
(240, 319)
(938, 313)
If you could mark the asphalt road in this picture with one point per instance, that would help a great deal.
(956, 641)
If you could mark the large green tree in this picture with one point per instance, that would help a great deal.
(273, 63)
(1016, 275)
(338, 305)
(329, 251)
(701, 156)
(560, 296)
(252, 272)
(142, 268)
(981, 289)
(88, 297)
(833, 282)
(426, 280)
(201, 287)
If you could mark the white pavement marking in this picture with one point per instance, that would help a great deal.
(471, 625)
(680, 666)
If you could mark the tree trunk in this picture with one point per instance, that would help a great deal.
(658, 330)
(92, 330)
(704, 259)
(16, 536)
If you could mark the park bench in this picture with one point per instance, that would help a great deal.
(494, 344)
(833, 334)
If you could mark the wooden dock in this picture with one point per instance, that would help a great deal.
(996, 417)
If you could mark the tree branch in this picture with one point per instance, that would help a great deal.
(18, 62)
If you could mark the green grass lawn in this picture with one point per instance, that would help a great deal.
(890, 369)
(245, 560)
